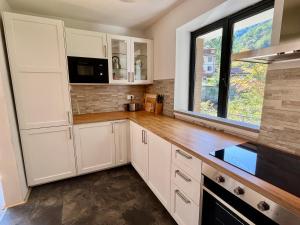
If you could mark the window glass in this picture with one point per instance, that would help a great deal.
(207, 72)
(247, 80)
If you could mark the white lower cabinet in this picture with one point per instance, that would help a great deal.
(122, 142)
(139, 150)
(183, 209)
(160, 168)
(48, 154)
(95, 146)
(101, 145)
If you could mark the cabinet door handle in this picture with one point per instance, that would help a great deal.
(182, 197)
(70, 133)
(184, 154)
(128, 75)
(143, 137)
(69, 117)
(112, 128)
(133, 76)
(187, 179)
(105, 51)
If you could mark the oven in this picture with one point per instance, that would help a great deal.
(226, 201)
(88, 70)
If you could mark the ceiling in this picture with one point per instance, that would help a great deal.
(126, 13)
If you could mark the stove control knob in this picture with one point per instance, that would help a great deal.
(220, 179)
(239, 191)
(263, 206)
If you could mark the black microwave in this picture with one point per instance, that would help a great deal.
(88, 70)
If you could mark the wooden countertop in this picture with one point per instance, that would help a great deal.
(198, 141)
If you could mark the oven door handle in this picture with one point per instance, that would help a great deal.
(228, 206)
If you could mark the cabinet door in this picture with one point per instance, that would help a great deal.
(38, 67)
(183, 209)
(160, 168)
(95, 147)
(119, 59)
(122, 142)
(89, 44)
(141, 60)
(139, 150)
(48, 154)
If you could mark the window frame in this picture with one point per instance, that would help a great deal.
(227, 24)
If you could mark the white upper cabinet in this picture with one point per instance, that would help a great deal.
(142, 60)
(130, 60)
(37, 58)
(119, 59)
(95, 146)
(48, 154)
(89, 44)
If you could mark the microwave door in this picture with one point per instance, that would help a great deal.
(88, 70)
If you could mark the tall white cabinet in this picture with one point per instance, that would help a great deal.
(37, 58)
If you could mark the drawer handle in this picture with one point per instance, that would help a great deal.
(184, 154)
(182, 197)
(182, 176)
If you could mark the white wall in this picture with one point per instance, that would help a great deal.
(11, 165)
(163, 32)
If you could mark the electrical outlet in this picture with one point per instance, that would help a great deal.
(130, 96)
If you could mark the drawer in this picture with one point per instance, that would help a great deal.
(183, 209)
(188, 184)
(187, 162)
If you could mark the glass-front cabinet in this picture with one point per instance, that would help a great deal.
(130, 60)
(119, 59)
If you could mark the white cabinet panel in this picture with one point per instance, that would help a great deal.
(139, 150)
(38, 67)
(187, 162)
(122, 142)
(119, 59)
(183, 209)
(83, 43)
(160, 168)
(142, 60)
(130, 60)
(95, 147)
(48, 154)
(188, 184)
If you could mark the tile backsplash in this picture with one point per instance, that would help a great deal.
(165, 87)
(103, 98)
(280, 126)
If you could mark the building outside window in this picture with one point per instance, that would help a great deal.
(222, 87)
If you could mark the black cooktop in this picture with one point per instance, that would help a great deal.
(276, 167)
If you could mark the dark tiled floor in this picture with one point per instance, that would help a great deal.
(113, 197)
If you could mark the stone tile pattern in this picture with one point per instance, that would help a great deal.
(113, 197)
(103, 98)
(280, 125)
(165, 87)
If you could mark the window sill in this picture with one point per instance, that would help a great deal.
(222, 121)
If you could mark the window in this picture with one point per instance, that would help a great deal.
(228, 89)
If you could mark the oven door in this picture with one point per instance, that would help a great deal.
(220, 207)
(88, 70)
